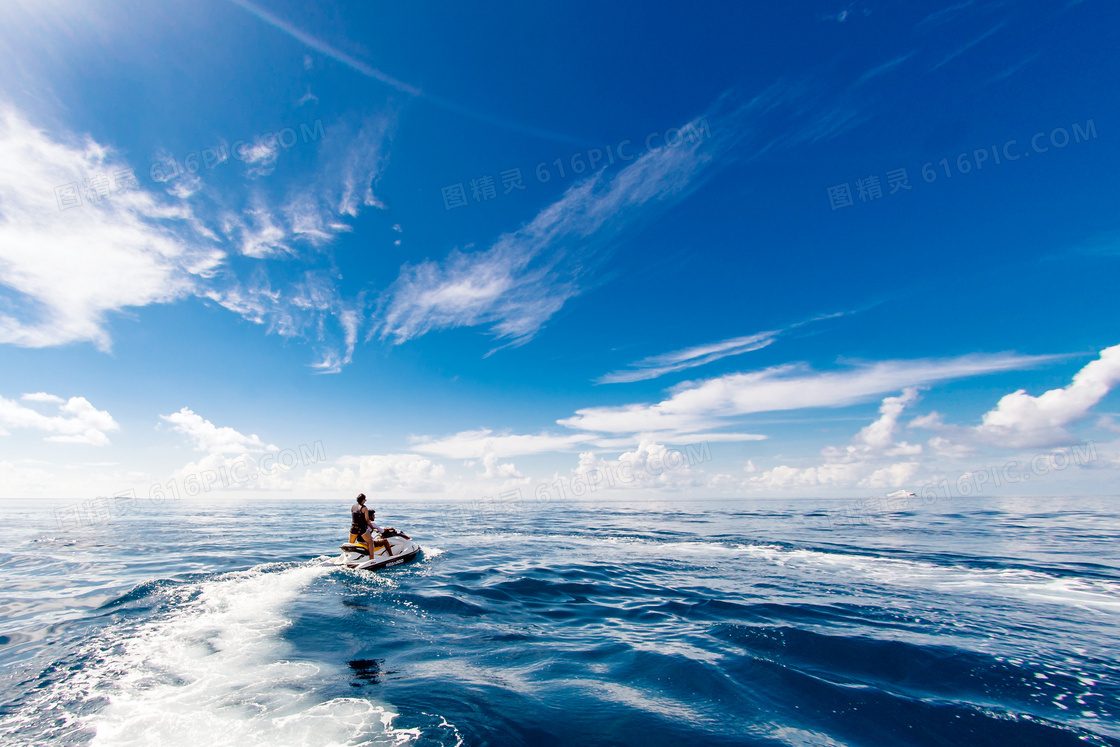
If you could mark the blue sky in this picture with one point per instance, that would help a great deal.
(854, 248)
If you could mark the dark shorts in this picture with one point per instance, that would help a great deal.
(355, 529)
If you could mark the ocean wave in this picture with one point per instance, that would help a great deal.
(214, 670)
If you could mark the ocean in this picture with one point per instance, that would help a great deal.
(986, 621)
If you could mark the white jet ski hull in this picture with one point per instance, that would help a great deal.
(355, 556)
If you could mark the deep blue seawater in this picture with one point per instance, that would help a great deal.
(993, 621)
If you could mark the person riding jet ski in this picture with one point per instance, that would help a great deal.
(359, 552)
(362, 525)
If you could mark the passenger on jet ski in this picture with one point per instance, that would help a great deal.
(385, 532)
(361, 526)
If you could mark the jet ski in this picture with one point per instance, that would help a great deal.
(356, 555)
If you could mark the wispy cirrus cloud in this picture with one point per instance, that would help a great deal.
(309, 307)
(659, 365)
(944, 15)
(64, 272)
(699, 355)
(969, 45)
(526, 276)
(371, 72)
(884, 67)
(523, 278)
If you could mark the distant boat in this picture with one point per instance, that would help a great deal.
(902, 494)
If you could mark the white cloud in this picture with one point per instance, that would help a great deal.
(879, 436)
(310, 307)
(385, 474)
(699, 355)
(893, 476)
(785, 477)
(517, 284)
(946, 448)
(659, 365)
(23, 480)
(709, 403)
(69, 268)
(675, 438)
(353, 164)
(493, 470)
(233, 461)
(256, 232)
(931, 421)
(213, 439)
(62, 272)
(381, 472)
(350, 319)
(969, 45)
(484, 446)
(260, 157)
(361, 67)
(78, 421)
(649, 466)
(884, 67)
(943, 15)
(228, 470)
(186, 186)
(1021, 420)
(43, 397)
(478, 444)
(876, 459)
(867, 461)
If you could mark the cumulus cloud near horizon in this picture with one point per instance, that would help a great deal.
(77, 420)
(381, 472)
(1021, 420)
(205, 436)
(873, 459)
